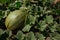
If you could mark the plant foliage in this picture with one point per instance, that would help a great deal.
(42, 23)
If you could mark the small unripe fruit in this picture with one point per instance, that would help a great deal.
(14, 19)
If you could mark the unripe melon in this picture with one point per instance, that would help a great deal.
(14, 19)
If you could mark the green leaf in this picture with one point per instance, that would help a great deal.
(1, 31)
(55, 36)
(39, 36)
(57, 11)
(25, 2)
(48, 12)
(18, 4)
(53, 27)
(1, 14)
(31, 36)
(58, 27)
(4, 1)
(9, 32)
(43, 25)
(32, 19)
(4, 36)
(20, 35)
(49, 19)
(26, 28)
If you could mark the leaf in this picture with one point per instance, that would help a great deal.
(20, 35)
(1, 31)
(31, 36)
(57, 11)
(40, 36)
(18, 4)
(43, 25)
(55, 36)
(9, 32)
(48, 38)
(58, 27)
(49, 19)
(25, 2)
(4, 1)
(4, 36)
(26, 28)
(6, 13)
(19, 0)
(32, 19)
(53, 27)
(48, 12)
(1, 14)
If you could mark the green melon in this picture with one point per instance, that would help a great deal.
(14, 19)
